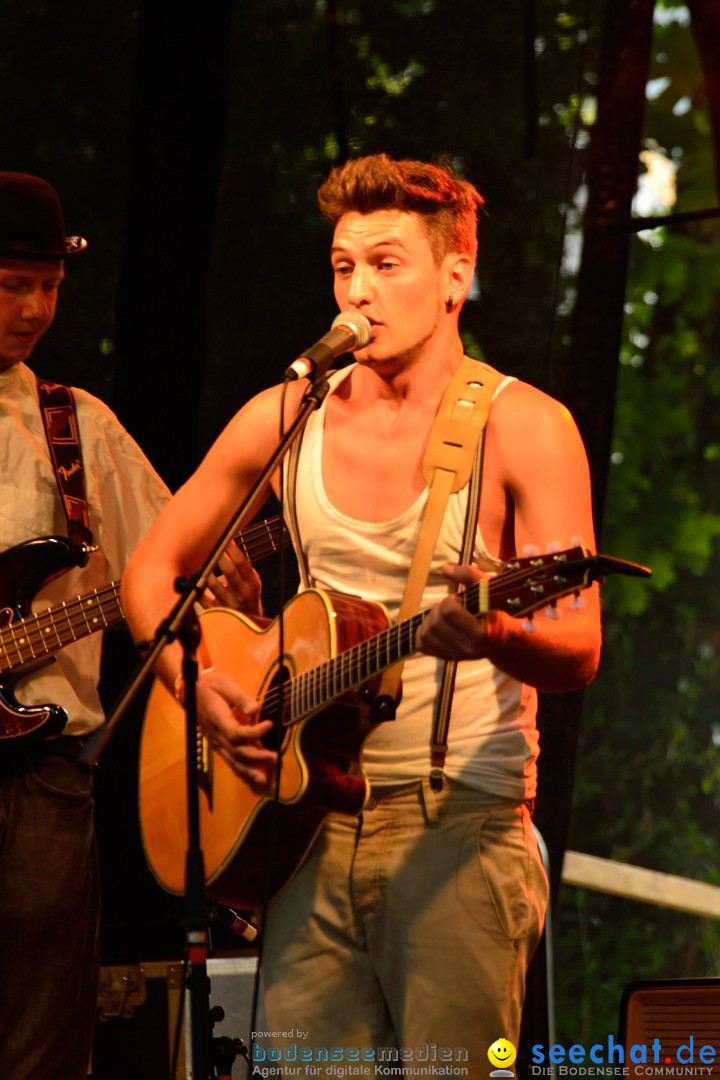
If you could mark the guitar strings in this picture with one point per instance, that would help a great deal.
(42, 633)
(85, 615)
(311, 690)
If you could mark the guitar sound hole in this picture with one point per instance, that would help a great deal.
(273, 708)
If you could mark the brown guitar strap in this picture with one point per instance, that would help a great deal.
(447, 467)
(57, 408)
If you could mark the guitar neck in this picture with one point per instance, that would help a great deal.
(524, 586)
(37, 637)
(262, 539)
(314, 689)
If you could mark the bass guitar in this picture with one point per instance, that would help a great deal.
(318, 696)
(29, 640)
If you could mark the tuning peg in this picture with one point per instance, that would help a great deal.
(552, 612)
(577, 602)
(529, 625)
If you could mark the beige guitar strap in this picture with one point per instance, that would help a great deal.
(447, 467)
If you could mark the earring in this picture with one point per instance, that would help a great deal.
(450, 301)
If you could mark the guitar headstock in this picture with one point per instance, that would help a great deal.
(537, 581)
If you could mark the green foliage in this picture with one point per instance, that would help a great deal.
(648, 773)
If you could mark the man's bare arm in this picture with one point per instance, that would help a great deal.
(176, 545)
(537, 454)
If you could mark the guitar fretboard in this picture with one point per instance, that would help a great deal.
(36, 637)
(313, 689)
(40, 635)
(524, 586)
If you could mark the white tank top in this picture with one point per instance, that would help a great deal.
(493, 741)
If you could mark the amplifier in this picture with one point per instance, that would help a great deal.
(140, 1019)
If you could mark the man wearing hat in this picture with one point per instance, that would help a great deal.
(48, 869)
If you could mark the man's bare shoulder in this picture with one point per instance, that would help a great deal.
(530, 432)
(520, 407)
(252, 435)
(262, 412)
(517, 394)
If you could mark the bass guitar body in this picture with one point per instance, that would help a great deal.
(24, 569)
(29, 640)
(253, 843)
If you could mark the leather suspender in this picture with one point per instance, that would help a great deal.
(443, 702)
(57, 408)
(290, 504)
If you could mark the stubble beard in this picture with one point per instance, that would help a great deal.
(400, 361)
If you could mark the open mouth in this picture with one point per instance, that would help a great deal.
(25, 337)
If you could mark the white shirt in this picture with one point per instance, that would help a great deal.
(124, 495)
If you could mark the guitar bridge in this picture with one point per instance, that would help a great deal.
(204, 766)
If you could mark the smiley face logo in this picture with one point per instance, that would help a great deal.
(502, 1054)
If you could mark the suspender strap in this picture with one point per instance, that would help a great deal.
(290, 509)
(447, 467)
(57, 408)
(443, 702)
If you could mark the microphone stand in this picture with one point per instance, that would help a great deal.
(182, 625)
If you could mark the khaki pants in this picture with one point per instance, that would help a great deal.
(407, 929)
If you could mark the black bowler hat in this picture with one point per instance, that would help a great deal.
(32, 225)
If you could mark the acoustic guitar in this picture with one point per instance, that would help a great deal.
(319, 697)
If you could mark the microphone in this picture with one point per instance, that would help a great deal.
(350, 330)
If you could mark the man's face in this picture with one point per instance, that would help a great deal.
(28, 298)
(383, 267)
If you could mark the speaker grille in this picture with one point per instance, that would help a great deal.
(684, 1018)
